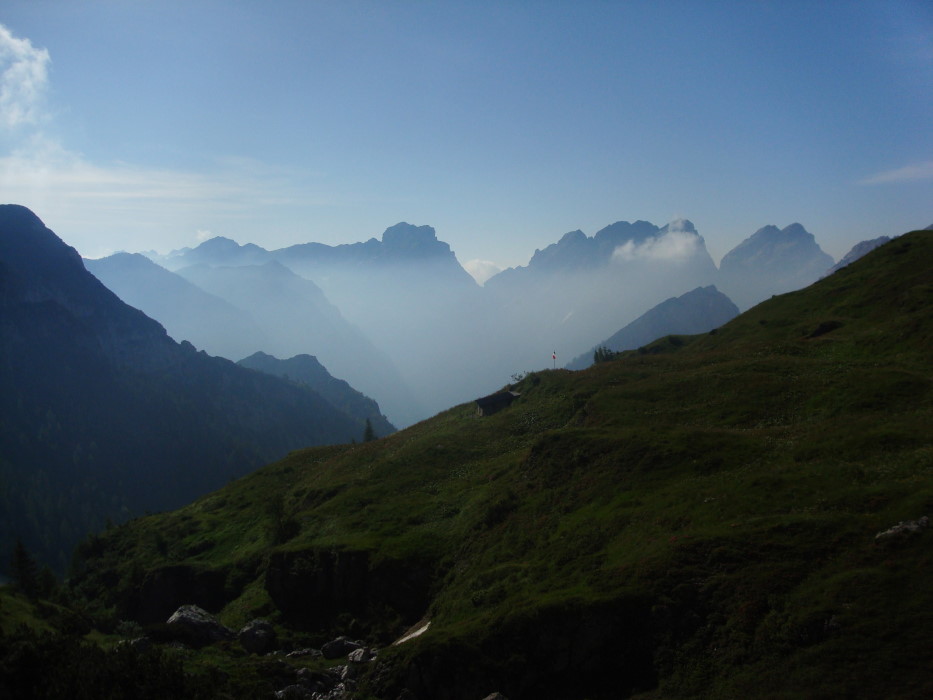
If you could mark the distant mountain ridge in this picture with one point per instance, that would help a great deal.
(697, 311)
(857, 251)
(412, 299)
(306, 370)
(237, 310)
(187, 311)
(772, 261)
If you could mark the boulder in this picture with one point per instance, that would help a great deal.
(339, 647)
(307, 651)
(361, 655)
(257, 637)
(198, 625)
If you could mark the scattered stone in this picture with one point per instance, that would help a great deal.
(199, 625)
(304, 652)
(361, 655)
(339, 647)
(257, 637)
(294, 692)
(495, 696)
(905, 527)
(341, 691)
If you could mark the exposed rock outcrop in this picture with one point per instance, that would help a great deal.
(198, 625)
(257, 637)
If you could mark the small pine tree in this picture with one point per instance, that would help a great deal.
(368, 433)
(24, 570)
(602, 354)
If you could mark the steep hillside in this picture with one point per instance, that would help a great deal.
(103, 416)
(701, 517)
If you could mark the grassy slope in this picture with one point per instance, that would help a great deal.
(697, 518)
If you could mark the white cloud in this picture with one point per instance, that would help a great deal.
(675, 245)
(909, 173)
(24, 72)
(203, 235)
(481, 270)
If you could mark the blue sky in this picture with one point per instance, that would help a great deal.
(151, 125)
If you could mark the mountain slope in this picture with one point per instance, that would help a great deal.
(185, 310)
(697, 311)
(103, 416)
(306, 370)
(697, 520)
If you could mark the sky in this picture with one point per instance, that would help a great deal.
(133, 125)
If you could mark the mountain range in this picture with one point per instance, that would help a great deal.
(104, 416)
(431, 335)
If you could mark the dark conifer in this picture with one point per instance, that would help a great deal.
(24, 570)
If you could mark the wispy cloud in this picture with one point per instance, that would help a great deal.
(481, 270)
(674, 245)
(909, 173)
(100, 203)
(24, 74)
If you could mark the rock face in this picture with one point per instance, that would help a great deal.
(772, 261)
(199, 625)
(257, 637)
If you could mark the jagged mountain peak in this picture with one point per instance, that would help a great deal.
(680, 226)
(408, 240)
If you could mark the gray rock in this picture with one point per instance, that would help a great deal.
(904, 528)
(199, 625)
(495, 696)
(257, 637)
(339, 647)
(361, 655)
(308, 651)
